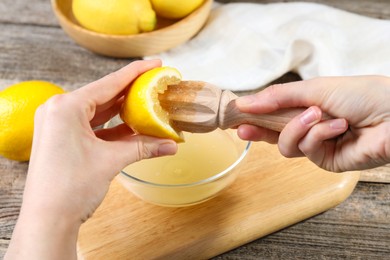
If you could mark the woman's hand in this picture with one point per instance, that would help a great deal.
(357, 138)
(72, 165)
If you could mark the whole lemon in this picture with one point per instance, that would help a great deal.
(120, 17)
(174, 9)
(18, 104)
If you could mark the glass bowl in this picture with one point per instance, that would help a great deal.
(204, 165)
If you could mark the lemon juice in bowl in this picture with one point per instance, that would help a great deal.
(204, 165)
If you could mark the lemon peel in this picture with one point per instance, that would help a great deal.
(18, 104)
(171, 9)
(141, 109)
(116, 17)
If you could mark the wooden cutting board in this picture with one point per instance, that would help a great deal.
(272, 192)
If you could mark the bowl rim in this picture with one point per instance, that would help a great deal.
(204, 181)
(177, 23)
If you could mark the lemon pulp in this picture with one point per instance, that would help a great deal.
(141, 109)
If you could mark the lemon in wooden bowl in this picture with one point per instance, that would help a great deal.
(172, 10)
(119, 17)
(166, 34)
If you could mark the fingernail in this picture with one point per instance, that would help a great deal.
(309, 117)
(245, 101)
(167, 148)
(339, 123)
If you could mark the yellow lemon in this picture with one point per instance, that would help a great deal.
(141, 109)
(175, 9)
(18, 104)
(121, 17)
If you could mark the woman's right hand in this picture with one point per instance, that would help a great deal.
(357, 138)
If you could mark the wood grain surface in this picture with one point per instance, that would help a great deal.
(33, 46)
(271, 192)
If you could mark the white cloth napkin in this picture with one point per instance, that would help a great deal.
(244, 46)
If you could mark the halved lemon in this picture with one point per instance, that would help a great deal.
(141, 109)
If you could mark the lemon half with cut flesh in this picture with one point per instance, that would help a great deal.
(141, 109)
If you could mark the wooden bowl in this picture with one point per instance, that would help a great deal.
(167, 35)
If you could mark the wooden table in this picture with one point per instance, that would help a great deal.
(33, 46)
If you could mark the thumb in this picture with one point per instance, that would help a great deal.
(257, 103)
(139, 147)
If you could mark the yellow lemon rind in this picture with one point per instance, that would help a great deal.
(143, 97)
(18, 104)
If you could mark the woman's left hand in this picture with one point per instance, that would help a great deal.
(72, 166)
